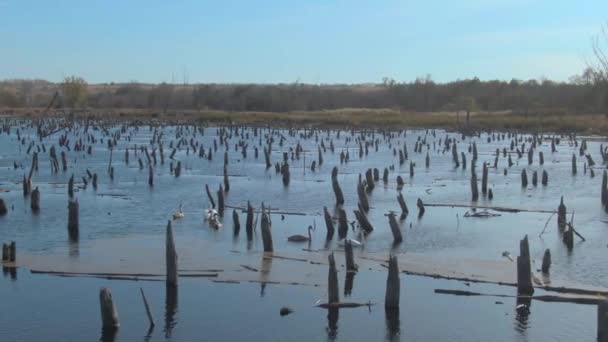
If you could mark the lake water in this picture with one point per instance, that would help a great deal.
(123, 222)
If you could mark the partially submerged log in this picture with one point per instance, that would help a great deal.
(35, 200)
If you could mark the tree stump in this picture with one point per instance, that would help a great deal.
(328, 224)
(73, 219)
(109, 315)
(393, 286)
(524, 273)
(546, 261)
(333, 294)
(397, 237)
(170, 257)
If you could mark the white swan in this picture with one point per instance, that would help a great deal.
(353, 242)
(179, 214)
(214, 218)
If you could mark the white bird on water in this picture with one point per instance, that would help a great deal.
(179, 214)
(213, 217)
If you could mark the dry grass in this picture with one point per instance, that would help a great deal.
(369, 118)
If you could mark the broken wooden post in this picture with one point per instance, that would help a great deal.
(363, 220)
(602, 321)
(546, 261)
(35, 200)
(249, 222)
(393, 284)
(211, 201)
(545, 178)
(3, 210)
(420, 207)
(404, 210)
(524, 178)
(336, 186)
(148, 311)
(369, 180)
(285, 173)
(561, 215)
(342, 224)
(71, 187)
(73, 219)
(109, 315)
(328, 224)
(333, 294)
(568, 237)
(350, 258)
(400, 182)
(236, 225)
(170, 257)
(534, 178)
(27, 186)
(266, 234)
(474, 188)
(397, 237)
(573, 164)
(178, 169)
(524, 275)
(385, 176)
(541, 158)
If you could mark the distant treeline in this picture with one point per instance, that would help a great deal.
(582, 94)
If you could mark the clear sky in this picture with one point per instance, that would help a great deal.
(313, 41)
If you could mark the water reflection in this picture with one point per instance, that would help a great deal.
(348, 283)
(10, 271)
(393, 325)
(332, 323)
(522, 313)
(74, 249)
(108, 334)
(265, 272)
(170, 310)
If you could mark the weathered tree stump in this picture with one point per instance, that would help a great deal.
(170, 257)
(573, 164)
(362, 197)
(393, 284)
(397, 237)
(5, 252)
(524, 178)
(524, 275)
(328, 224)
(333, 292)
(266, 234)
(236, 225)
(73, 219)
(474, 186)
(535, 178)
(249, 222)
(350, 258)
(211, 201)
(545, 178)
(178, 169)
(3, 210)
(403, 205)
(490, 194)
(561, 215)
(541, 158)
(35, 200)
(604, 188)
(336, 186)
(400, 182)
(220, 201)
(109, 315)
(484, 179)
(602, 321)
(546, 261)
(421, 209)
(94, 181)
(363, 220)
(385, 176)
(342, 224)
(369, 179)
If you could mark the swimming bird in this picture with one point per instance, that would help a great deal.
(179, 214)
(301, 238)
(213, 217)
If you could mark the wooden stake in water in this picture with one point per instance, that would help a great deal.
(109, 315)
(171, 257)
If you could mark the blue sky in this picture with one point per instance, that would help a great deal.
(314, 41)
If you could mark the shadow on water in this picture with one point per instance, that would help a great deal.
(108, 334)
(393, 325)
(348, 283)
(522, 313)
(332, 323)
(170, 310)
